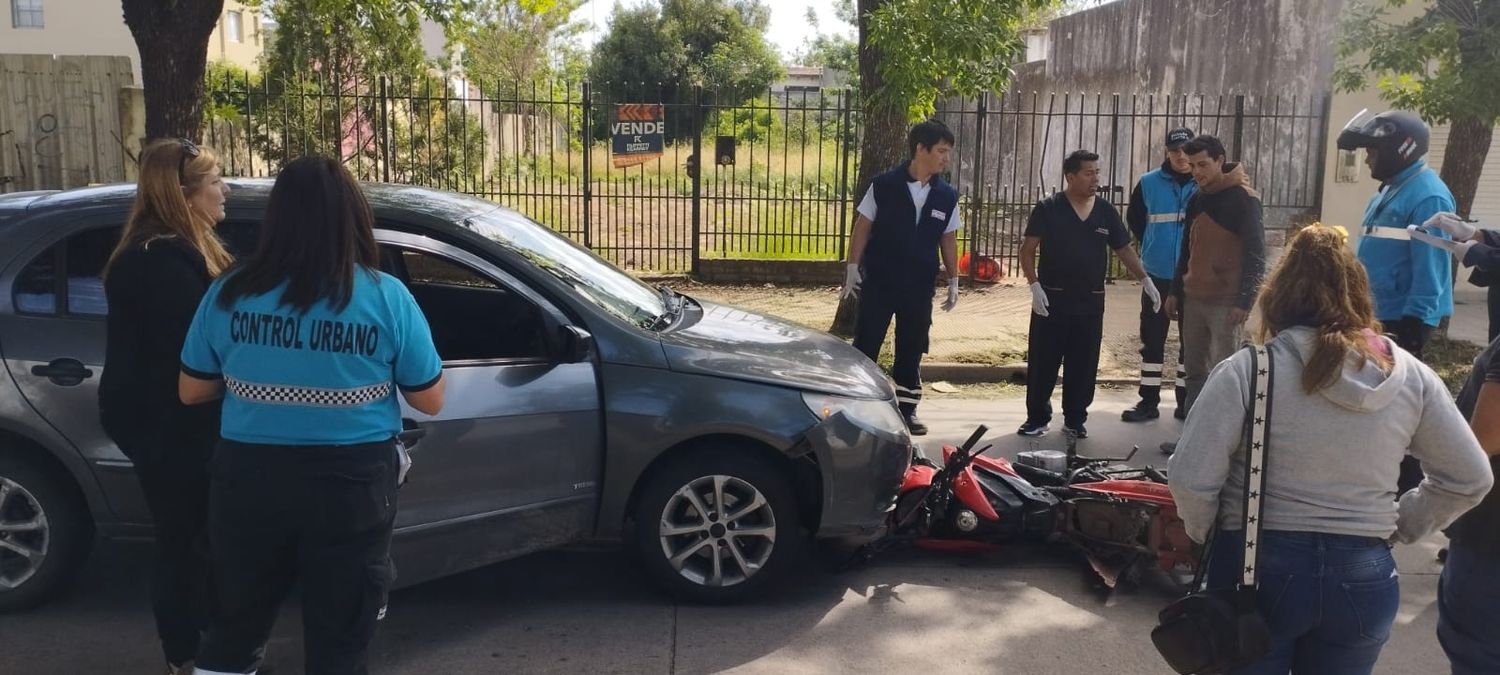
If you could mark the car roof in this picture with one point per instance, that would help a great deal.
(385, 199)
(14, 203)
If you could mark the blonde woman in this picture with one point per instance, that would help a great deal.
(1346, 405)
(167, 256)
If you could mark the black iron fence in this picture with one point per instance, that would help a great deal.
(768, 178)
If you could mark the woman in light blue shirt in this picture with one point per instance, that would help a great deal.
(308, 343)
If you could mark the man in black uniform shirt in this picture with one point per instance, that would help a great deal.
(1075, 230)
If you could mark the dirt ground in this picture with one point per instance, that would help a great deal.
(989, 325)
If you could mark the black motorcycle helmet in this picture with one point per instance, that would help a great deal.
(1396, 137)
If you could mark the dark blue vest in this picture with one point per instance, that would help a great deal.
(900, 255)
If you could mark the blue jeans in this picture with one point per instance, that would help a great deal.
(1328, 599)
(1469, 610)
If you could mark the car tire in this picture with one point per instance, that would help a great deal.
(45, 534)
(746, 542)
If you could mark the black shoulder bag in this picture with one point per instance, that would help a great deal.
(1209, 632)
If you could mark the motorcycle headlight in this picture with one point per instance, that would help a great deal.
(880, 415)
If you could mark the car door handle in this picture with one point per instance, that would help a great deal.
(64, 372)
(410, 432)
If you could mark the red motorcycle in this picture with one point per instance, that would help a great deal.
(1121, 518)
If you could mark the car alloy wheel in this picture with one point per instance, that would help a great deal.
(717, 531)
(24, 535)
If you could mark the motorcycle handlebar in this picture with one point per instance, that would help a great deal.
(974, 438)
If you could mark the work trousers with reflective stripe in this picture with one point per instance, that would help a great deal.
(1154, 329)
(912, 311)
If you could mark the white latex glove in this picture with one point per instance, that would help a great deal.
(1149, 288)
(1038, 299)
(1459, 248)
(952, 300)
(852, 280)
(1452, 225)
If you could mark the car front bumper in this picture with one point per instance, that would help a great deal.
(862, 470)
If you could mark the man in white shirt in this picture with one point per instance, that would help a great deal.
(906, 217)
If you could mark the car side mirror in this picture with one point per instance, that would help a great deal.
(575, 345)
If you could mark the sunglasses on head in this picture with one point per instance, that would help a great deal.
(189, 151)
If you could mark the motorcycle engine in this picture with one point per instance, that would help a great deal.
(1111, 522)
(1050, 460)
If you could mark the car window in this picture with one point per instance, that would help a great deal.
(36, 287)
(425, 268)
(596, 280)
(88, 251)
(81, 264)
(472, 317)
(240, 237)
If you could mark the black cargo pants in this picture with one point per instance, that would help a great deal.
(317, 516)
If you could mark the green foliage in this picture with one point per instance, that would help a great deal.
(227, 95)
(322, 93)
(718, 45)
(950, 48)
(1444, 63)
(510, 42)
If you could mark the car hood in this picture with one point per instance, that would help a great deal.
(726, 341)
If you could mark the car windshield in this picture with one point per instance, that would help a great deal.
(596, 280)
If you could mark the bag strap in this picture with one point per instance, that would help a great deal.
(1257, 420)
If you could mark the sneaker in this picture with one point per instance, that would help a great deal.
(915, 426)
(1033, 429)
(1078, 432)
(1168, 448)
(1180, 413)
(1140, 413)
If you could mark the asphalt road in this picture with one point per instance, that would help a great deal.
(1032, 609)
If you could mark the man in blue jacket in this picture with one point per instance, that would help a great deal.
(1412, 283)
(1155, 215)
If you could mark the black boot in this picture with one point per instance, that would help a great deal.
(1142, 412)
(915, 425)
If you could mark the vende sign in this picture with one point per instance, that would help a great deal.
(637, 131)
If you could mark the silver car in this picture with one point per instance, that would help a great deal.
(582, 404)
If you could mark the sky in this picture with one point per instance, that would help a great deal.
(789, 27)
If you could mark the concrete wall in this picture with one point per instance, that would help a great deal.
(73, 27)
(245, 52)
(1117, 77)
(1214, 46)
(97, 28)
(771, 271)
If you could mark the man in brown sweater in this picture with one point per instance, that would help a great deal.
(1222, 262)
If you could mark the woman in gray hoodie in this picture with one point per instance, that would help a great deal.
(1346, 406)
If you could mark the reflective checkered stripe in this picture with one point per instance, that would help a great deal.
(317, 397)
(912, 395)
(1255, 464)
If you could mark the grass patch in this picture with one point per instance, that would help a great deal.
(1452, 359)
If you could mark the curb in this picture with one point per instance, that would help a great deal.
(978, 373)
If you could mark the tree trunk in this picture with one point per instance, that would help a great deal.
(171, 37)
(1468, 144)
(883, 144)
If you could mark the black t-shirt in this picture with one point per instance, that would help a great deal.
(1075, 252)
(1480, 527)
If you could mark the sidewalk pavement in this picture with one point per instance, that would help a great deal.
(991, 322)
(1028, 610)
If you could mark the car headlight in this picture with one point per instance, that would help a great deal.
(880, 415)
